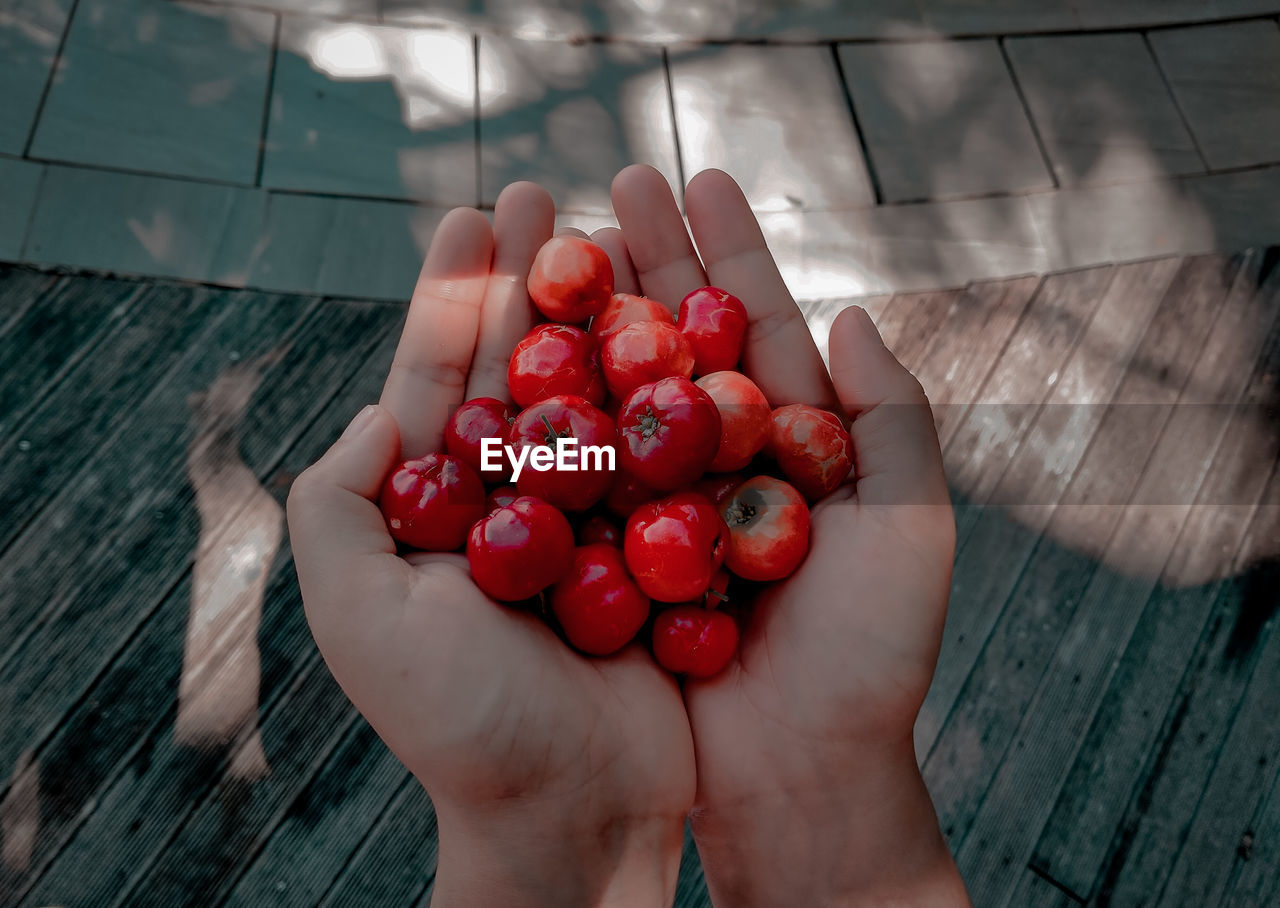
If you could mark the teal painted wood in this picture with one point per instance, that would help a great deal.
(396, 863)
(1041, 344)
(53, 332)
(88, 410)
(1036, 583)
(1186, 348)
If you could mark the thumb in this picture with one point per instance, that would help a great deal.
(334, 520)
(895, 442)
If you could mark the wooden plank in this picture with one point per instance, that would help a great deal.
(146, 673)
(1204, 715)
(1255, 874)
(977, 327)
(323, 826)
(52, 334)
(1138, 429)
(397, 862)
(910, 321)
(691, 885)
(1037, 583)
(88, 409)
(989, 437)
(1073, 845)
(1034, 891)
(94, 603)
(20, 287)
(1246, 766)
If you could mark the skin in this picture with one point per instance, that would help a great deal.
(562, 780)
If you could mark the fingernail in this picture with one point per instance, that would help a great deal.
(361, 422)
(866, 325)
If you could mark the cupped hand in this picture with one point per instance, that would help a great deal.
(557, 779)
(808, 791)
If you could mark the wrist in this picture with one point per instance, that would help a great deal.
(517, 854)
(860, 830)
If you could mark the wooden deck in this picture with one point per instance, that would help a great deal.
(1102, 728)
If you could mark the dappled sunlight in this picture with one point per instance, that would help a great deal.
(241, 527)
(20, 814)
(347, 52)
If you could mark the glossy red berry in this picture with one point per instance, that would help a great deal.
(644, 352)
(556, 359)
(693, 641)
(812, 447)
(668, 432)
(715, 323)
(520, 550)
(581, 435)
(430, 503)
(768, 524)
(597, 603)
(744, 419)
(625, 308)
(599, 529)
(571, 279)
(474, 421)
(674, 545)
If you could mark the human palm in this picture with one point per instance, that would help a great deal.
(483, 703)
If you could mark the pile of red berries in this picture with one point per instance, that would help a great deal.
(695, 477)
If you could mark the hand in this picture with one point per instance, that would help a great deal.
(808, 790)
(556, 779)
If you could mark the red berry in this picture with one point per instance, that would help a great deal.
(744, 419)
(599, 529)
(718, 487)
(546, 425)
(674, 545)
(597, 603)
(768, 524)
(625, 308)
(627, 493)
(715, 322)
(471, 423)
(812, 447)
(556, 359)
(571, 279)
(669, 432)
(693, 641)
(500, 498)
(430, 503)
(520, 550)
(644, 352)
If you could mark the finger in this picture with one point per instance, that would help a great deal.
(429, 372)
(522, 222)
(335, 526)
(780, 355)
(896, 454)
(624, 272)
(572, 231)
(666, 264)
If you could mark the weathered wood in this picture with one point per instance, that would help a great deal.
(89, 408)
(978, 325)
(397, 862)
(1134, 431)
(990, 438)
(1199, 733)
(1035, 891)
(59, 324)
(1040, 582)
(1255, 871)
(691, 885)
(323, 826)
(146, 670)
(1093, 798)
(20, 287)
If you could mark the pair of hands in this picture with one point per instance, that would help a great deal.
(559, 779)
